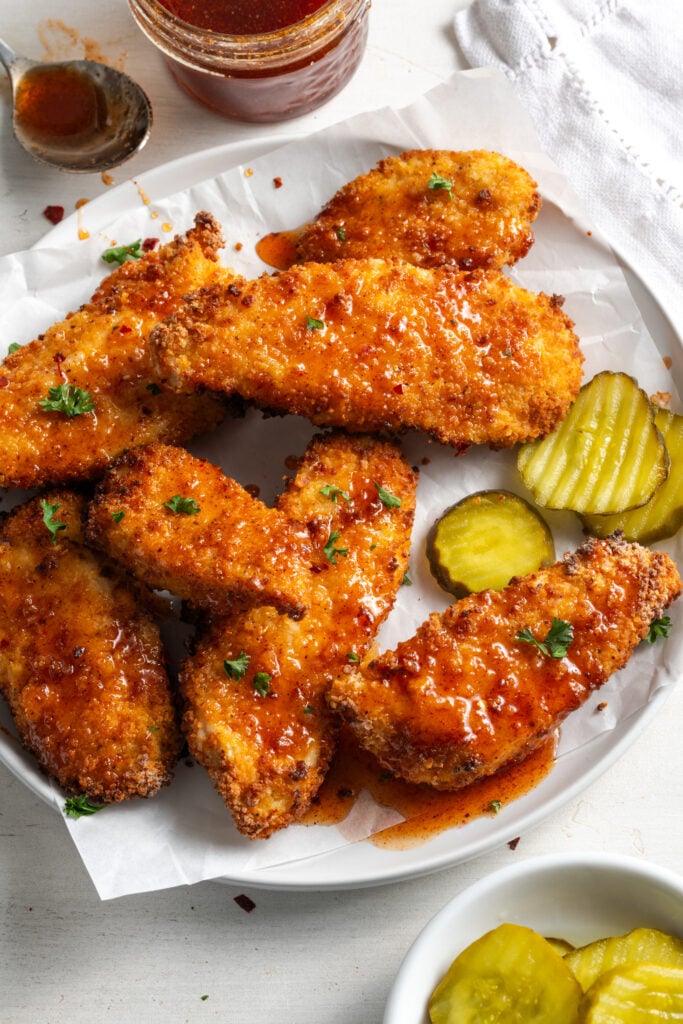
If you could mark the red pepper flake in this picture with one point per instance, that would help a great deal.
(245, 902)
(277, 182)
(54, 214)
(150, 244)
(601, 706)
(398, 390)
(513, 844)
(125, 329)
(461, 448)
(4, 382)
(59, 359)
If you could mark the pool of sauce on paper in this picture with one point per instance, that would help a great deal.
(427, 811)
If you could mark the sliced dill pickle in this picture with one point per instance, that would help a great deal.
(606, 456)
(511, 975)
(486, 539)
(640, 945)
(662, 516)
(639, 993)
(560, 946)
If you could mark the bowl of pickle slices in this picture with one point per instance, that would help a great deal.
(560, 939)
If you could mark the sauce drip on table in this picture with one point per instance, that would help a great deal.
(427, 811)
(57, 102)
(242, 17)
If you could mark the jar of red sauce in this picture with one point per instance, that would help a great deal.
(258, 61)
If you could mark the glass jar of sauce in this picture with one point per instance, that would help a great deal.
(258, 61)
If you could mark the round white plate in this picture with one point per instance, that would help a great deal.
(360, 864)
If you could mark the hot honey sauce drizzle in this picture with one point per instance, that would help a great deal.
(279, 249)
(57, 102)
(427, 811)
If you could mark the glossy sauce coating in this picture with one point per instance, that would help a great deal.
(466, 696)
(473, 209)
(103, 349)
(226, 550)
(81, 663)
(375, 345)
(268, 755)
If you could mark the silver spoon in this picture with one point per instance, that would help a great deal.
(78, 115)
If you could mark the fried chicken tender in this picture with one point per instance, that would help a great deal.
(102, 349)
(178, 523)
(266, 737)
(466, 696)
(371, 345)
(472, 209)
(81, 663)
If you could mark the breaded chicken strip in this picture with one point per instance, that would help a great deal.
(254, 688)
(373, 345)
(81, 662)
(425, 206)
(468, 695)
(178, 523)
(86, 390)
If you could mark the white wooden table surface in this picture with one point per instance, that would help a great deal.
(65, 956)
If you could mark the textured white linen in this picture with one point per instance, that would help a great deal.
(603, 84)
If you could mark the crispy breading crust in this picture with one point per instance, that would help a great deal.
(102, 348)
(267, 756)
(371, 345)
(476, 213)
(232, 552)
(81, 663)
(464, 697)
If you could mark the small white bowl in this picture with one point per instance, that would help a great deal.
(574, 897)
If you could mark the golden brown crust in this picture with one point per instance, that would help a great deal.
(371, 345)
(81, 662)
(102, 349)
(233, 551)
(267, 756)
(464, 696)
(482, 220)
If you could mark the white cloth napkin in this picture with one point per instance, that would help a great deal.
(602, 81)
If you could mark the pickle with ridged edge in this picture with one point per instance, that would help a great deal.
(639, 945)
(484, 540)
(662, 515)
(640, 993)
(511, 975)
(606, 456)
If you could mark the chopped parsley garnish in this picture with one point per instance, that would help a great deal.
(118, 516)
(659, 627)
(309, 709)
(352, 657)
(340, 233)
(557, 641)
(494, 806)
(331, 552)
(388, 499)
(14, 347)
(68, 399)
(332, 492)
(437, 183)
(53, 525)
(154, 388)
(314, 325)
(406, 581)
(122, 253)
(182, 506)
(80, 807)
(262, 683)
(236, 667)
(203, 998)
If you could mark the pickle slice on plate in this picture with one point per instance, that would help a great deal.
(606, 456)
(486, 539)
(639, 993)
(640, 945)
(511, 975)
(663, 514)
